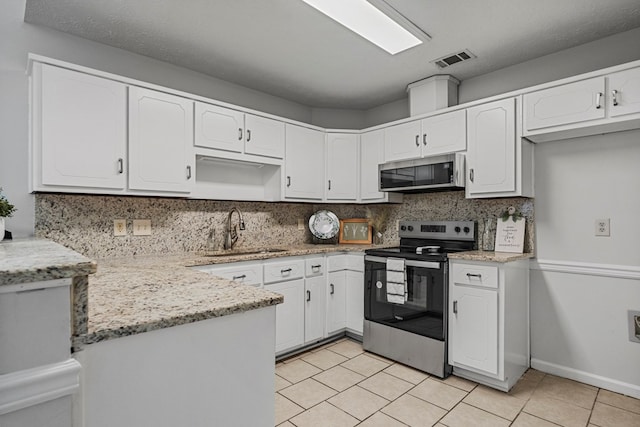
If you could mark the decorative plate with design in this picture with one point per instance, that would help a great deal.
(324, 224)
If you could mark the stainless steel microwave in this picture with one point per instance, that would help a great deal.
(435, 173)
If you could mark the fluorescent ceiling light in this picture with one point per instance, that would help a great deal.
(366, 20)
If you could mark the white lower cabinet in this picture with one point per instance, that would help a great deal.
(345, 293)
(314, 308)
(336, 302)
(489, 321)
(289, 314)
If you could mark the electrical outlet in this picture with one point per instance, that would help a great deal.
(300, 224)
(141, 227)
(603, 227)
(119, 227)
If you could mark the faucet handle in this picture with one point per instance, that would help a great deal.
(241, 224)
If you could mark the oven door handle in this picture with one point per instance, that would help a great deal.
(408, 262)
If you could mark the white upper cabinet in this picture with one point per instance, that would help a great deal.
(160, 141)
(342, 166)
(263, 136)
(79, 130)
(304, 163)
(218, 127)
(602, 104)
(225, 129)
(624, 90)
(499, 162)
(444, 133)
(402, 141)
(560, 105)
(371, 155)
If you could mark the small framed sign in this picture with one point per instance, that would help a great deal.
(510, 235)
(355, 230)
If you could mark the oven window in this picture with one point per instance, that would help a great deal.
(424, 310)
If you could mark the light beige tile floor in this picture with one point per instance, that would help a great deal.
(339, 384)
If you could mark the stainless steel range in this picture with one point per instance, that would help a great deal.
(406, 294)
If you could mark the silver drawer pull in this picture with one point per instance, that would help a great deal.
(188, 172)
(239, 134)
(455, 307)
(479, 276)
(417, 140)
(120, 166)
(285, 270)
(288, 181)
(248, 135)
(242, 276)
(316, 266)
(614, 93)
(308, 296)
(332, 289)
(471, 174)
(598, 97)
(424, 139)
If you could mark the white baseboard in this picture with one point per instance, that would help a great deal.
(30, 387)
(611, 384)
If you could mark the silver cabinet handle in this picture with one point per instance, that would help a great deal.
(417, 140)
(242, 276)
(329, 184)
(316, 266)
(120, 165)
(471, 174)
(424, 139)
(188, 172)
(308, 296)
(614, 93)
(332, 289)
(598, 98)
(248, 135)
(479, 276)
(285, 270)
(288, 181)
(239, 134)
(455, 307)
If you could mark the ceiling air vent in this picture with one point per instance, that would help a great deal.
(448, 60)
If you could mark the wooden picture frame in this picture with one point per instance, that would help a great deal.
(355, 231)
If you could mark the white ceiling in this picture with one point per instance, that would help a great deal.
(288, 49)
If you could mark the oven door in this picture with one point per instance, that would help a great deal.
(424, 311)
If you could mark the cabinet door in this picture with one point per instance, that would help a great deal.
(355, 300)
(445, 133)
(336, 302)
(626, 85)
(491, 153)
(160, 141)
(561, 105)
(402, 142)
(264, 137)
(218, 127)
(371, 155)
(80, 127)
(342, 167)
(289, 314)
(314, 308)
(473, 328)
(304, 163)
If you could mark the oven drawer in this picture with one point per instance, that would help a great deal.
(475, 275)
(283, 270)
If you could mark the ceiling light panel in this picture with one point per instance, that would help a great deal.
(369, 22)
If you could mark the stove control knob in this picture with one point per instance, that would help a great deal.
(457, 229)
(410, 228)
(402, 227)
(467, 230)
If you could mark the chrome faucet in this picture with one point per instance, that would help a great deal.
(232, 234)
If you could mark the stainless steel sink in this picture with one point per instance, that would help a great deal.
(243, 252)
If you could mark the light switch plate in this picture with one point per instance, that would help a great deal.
(141, 227)
(603, 227)
(119, 227)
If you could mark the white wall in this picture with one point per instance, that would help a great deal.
(579, 325)
(17, 39)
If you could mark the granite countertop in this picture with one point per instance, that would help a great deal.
(138, 294)
(34, 260)
(489, 256)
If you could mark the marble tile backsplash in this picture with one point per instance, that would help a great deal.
(85, 223)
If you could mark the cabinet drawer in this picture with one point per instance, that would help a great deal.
(283, 270)
(336, 262)
(314, 267)
(355, 262)
(247, 274)
(475, 275)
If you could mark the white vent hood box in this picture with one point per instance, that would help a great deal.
(433, 93)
